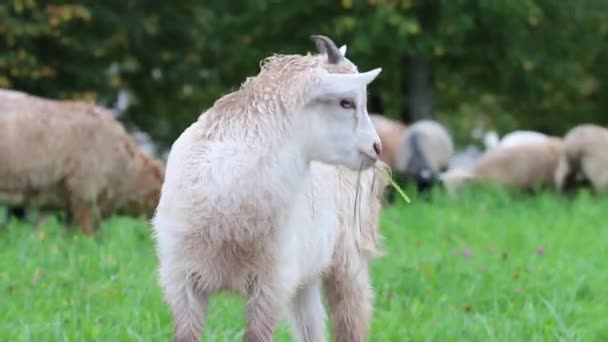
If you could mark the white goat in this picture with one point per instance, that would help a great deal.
(242, 208)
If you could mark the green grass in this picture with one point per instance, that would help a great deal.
(464, 269)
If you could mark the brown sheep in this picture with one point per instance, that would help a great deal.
(390, 132)
(584, 153)
(74, 155)
(524, 167)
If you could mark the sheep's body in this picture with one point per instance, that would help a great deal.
(517, 138)
(243, 207)
(68, 154)
(390, 132)
(525, 167)
(585, 152)
(423, 152)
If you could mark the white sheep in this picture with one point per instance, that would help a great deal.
(423, 152)
(525, 166)
(585, 152)
(521, 137)
(244, 209)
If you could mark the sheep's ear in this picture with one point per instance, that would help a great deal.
(343, 50)
(335, 84)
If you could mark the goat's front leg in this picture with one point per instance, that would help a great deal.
(307, 315)
(350, 301)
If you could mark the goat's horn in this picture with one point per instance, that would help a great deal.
(326, 45)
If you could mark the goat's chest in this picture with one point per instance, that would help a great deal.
(312, 230)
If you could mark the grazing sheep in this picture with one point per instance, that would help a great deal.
(390, 132)
(244, 207)
(516, 138)
(585, 153)
(524, 167)
(72, 155)
(423, 152)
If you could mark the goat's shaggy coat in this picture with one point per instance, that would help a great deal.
(390, 132)
(246, 208)
(586, 152)
(524, 166)
(69, 154)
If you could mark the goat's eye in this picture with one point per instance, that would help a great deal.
(347, 103)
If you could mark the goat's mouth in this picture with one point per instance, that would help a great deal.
(367, 161)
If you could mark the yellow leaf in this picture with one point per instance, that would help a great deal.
(533, 21)
(347, 4)
(528, 66)
(115, 81)
(438, 50)
(413, 28)
(4, 82)
(405, 4)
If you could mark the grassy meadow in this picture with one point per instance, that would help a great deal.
(487, 266)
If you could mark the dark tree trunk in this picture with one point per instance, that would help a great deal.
(375, 104)
(419, 88)
(418, 71)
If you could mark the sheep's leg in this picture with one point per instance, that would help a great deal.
(307, 315)
(268, 300)
(561, 173)
(85, 215)
(350, 301)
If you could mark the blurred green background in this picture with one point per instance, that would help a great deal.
(525, 64)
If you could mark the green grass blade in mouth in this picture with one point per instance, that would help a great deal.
(393, 184)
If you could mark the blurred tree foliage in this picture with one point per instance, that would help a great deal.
(537, 64)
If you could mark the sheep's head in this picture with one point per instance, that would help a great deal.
(335, 120)
(144, 199)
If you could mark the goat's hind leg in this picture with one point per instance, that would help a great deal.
(188, 305)
(307, 314)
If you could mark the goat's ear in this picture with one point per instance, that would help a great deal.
(343, 50)
(336, 84)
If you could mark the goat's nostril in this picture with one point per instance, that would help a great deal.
(377, 148)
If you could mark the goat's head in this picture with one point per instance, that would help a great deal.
(338, 126)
